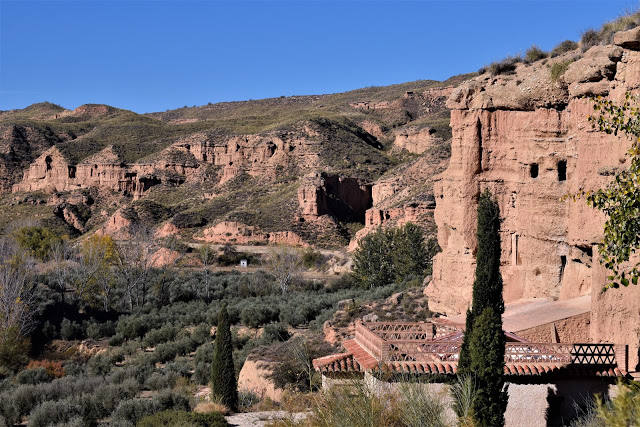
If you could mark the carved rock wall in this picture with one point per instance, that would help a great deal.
(527, 139)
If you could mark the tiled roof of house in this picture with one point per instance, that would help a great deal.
(358, 359)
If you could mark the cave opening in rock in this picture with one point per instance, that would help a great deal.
(563, 264)
(533, 170)
(562, 170)
(479, 140)
(47, 161)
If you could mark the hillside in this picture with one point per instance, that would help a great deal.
(290, 169)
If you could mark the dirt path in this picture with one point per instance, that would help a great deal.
(533, 312)
(262, 418)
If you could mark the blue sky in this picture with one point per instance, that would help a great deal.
(156, 55)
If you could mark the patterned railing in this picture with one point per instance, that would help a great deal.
(391, 331)
(405, 342)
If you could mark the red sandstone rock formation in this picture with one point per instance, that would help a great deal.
(238, 233)
(322, 194)
(527, 139)
(416, 140)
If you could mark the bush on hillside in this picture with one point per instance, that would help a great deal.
(564, 47)
(589, 39)
(506, 66)
(38, 241)
(533, 54)
(558, 69)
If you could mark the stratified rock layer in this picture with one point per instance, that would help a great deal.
(526, 137)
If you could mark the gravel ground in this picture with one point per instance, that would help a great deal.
(262, 418)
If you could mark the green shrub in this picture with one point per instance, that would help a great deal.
(533, 54)
(623, 409)
(49, 412)
(392, 254)
(312, 259)
(14, 350)
(33, 376)
(564, 47)
(203, 359)
(37, 240)
(589, 39)
(257, 315)
(70, 330)
(506, 66)
(183, 419)
(372, 261)
(558, 69)
(133, 410)
(274, 333)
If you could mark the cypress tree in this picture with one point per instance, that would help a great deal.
(223, 374)
(486, 348)
(482, 350)
(487, 287)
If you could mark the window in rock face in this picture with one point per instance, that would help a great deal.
(562, 170)
(533, 170)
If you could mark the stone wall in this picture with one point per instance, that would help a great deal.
(575, 329)
(532, 402)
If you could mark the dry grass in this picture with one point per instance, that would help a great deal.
(210, 407)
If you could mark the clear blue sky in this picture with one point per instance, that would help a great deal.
(157, 55)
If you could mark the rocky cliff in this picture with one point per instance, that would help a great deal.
(525, 136)
(297, 170)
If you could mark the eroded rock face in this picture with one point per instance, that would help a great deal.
(238, 233)
(342, 197)
(255, 377)
(415, 140)
(527, 139)
(52, 172)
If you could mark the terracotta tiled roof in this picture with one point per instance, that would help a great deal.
(347, 362)
(362, 356)
(343, 362)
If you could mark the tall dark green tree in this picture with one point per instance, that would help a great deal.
(223, 375)
(482, 351)
(486, 349)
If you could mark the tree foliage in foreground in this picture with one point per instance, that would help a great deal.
(392, 254)
(620, 200)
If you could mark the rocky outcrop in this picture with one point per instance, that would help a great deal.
(341, 197)
(117, 226)
(526, 138)
(52, 172)
(416, 140)
(255, 377)
(238, 233)
(163, 257)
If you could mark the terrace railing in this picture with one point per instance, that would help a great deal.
(404, 342)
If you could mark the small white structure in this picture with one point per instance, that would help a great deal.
(243, 263)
